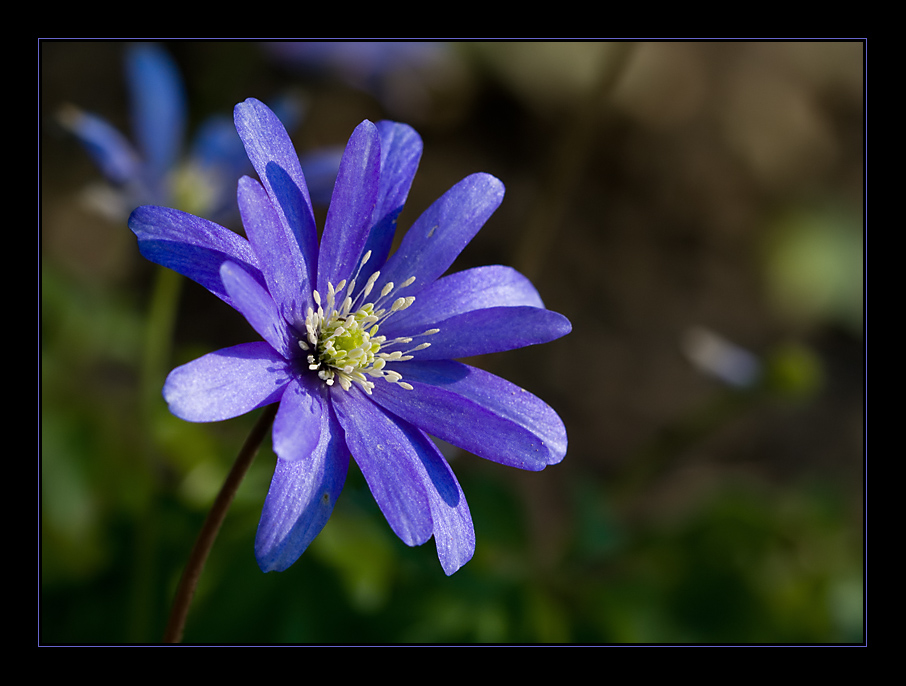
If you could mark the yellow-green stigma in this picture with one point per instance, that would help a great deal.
(194, 189)
(344, 342)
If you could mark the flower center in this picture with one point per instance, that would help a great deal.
(194, 189)
(342, 336)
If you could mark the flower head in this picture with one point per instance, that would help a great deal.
(156, 169)
(358, 347)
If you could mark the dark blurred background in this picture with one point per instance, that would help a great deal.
(695, 209)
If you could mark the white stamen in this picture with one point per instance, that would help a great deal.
(345, 343)
(370, 284)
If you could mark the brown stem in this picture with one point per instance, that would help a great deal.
(212, 524)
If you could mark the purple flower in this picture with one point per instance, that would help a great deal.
(358, 348)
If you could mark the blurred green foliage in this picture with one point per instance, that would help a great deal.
(814, 262)
(122, 502)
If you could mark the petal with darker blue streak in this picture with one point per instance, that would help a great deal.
(271, 153)
(259, 309)
(477, 411)
(283, 263)
(401, 150)
(192, 246)
(454, 535)
(389, 463)
(302, 495)
(353, 201)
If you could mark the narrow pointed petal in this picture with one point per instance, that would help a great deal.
(216, 145)
(282, 260)
(477, 411)
(351, 206)
(158, 106)
(472, 289)
(401, 151)
(302, 494)
(411, 481)
(271, 153)
(227, 383)
(107, 146)
(439, 235)
(384, 451)
(258, 307)
(192, 246)
(454, 535)
(493, 330)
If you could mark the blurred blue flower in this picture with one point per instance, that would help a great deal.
(153, 170)
(397, 73)
(360, 361)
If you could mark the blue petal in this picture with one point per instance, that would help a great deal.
(401, 150)
(281, 260)
(298, 424)
(439, 235)
(477, 411)
(158, 106)
(271, 153)
(389, 459)
(492, 330)
(454, 535)
(303, 492)
(192, 246)
(114, 155)
(320, 168)
(472, 289)
(216, 145)
(351, 206)
(258, 307)
(227, 383)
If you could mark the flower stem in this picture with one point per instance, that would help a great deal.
(212, 524)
